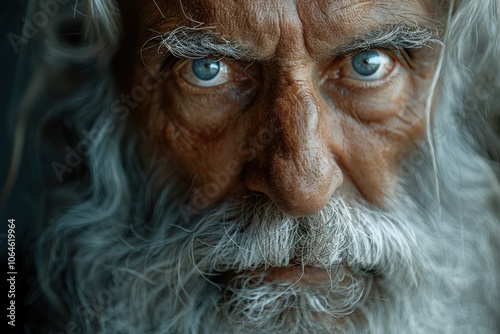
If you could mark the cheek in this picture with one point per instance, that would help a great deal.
(206, 152)
(207, 114)
(369, 103)
(370, 162)
(378, 126)
(214, 171)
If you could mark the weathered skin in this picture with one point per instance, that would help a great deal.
(289, 122)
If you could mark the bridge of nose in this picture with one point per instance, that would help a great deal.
(300, 173)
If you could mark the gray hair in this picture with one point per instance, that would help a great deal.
(429, 263)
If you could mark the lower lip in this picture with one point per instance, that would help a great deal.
(293, 274)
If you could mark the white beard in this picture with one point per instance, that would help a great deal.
(126, 261)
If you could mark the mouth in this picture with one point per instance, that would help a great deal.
(303, 274)
(337, 290)
(300, 274)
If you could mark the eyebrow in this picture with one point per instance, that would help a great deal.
(196, 42)
(394, 37)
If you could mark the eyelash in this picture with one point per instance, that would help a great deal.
(176, 64)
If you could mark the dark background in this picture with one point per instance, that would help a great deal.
(16, 207)
(20, 202)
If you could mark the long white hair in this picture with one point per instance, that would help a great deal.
(119, 251)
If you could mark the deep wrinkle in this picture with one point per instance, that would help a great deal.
(289, 67)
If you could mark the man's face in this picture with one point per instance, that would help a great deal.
(304, 97)
(252, 169)
(311, 106)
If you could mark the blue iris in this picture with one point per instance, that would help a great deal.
(366, 63)
(205, 68)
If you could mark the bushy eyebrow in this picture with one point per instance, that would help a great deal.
(393, 36)
(196, 42)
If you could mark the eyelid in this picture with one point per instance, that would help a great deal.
(336, 70)
(231, 70)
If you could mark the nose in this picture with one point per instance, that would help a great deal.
(296, 169)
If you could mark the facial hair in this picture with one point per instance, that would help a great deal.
(136, 264)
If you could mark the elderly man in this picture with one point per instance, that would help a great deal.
(306, 166)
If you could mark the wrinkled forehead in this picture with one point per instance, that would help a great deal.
(265, 25)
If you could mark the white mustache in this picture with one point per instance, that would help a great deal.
(353, 242)
(255, 234)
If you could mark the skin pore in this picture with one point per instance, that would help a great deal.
(290, 117)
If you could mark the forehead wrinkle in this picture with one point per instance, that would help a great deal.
(272, 29)
(252, 25)
(279, 29)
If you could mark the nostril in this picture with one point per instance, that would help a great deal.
(301, 188)
(298, 205)
(297, 199)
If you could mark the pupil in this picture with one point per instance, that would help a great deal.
(366, 63)
(205, 68)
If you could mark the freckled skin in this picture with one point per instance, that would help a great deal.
(284, 130)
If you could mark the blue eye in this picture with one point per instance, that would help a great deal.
(205, 68)
(207, 72)
(367, 63)
(370, 65)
